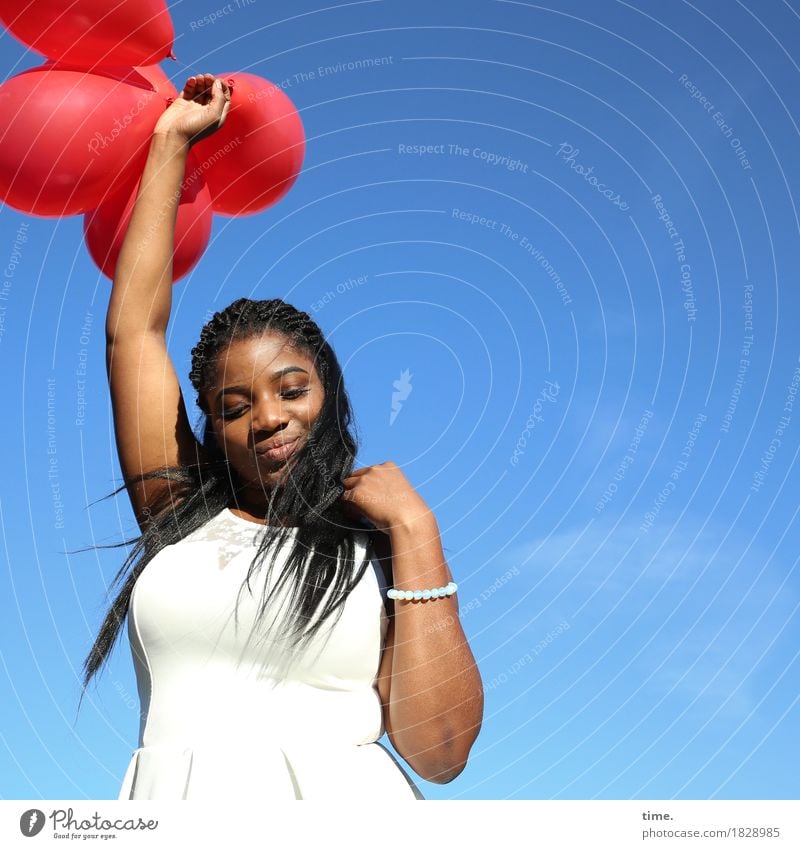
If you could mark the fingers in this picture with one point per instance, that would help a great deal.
(189, 88)
(200, 86)
(194, 88)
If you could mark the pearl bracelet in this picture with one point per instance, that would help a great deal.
(436, 592)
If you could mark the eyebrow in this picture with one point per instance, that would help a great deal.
(274, 376)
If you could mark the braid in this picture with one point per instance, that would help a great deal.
(245, 318)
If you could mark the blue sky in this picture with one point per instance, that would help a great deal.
(590, 278)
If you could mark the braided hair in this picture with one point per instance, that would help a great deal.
(323, 551)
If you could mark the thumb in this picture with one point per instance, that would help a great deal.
(220, 100)
(217, 90)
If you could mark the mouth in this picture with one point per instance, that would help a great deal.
(280, 452)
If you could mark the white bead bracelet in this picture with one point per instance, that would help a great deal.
(436, 592)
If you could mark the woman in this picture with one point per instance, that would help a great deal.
(251, 684)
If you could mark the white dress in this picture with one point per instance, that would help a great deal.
(221, 717)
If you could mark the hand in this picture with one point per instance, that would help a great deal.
(198, 111)
(384, 496)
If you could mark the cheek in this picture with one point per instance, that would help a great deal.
(308, 411)
(315, 407)
(230, 442)
(312, 414)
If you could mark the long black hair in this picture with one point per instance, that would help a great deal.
(308, 497)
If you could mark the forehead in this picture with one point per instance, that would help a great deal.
(257, 357)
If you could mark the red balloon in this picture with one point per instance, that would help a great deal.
(255, 157)
(104, 228)
(93, 32)
(160, 81)
(70, 136)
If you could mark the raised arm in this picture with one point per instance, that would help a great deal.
(150, 421)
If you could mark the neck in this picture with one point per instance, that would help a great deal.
(253, 508)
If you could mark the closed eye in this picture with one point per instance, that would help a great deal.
(289, 394)
(232, 414)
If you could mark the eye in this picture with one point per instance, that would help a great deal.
(291, 394)
(232, 413)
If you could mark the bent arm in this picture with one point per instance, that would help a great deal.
(433, 693)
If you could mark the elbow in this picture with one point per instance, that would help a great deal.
(445, 756)
(444, 774)
(446, 764)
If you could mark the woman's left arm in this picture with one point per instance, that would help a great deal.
(435, 692)
(434, 704)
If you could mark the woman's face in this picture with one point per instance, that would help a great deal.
(267, 393)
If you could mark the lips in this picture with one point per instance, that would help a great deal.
(277, 451)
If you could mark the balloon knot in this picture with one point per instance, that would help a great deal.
(172, 55)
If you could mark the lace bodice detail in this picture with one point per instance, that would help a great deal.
(231, 535)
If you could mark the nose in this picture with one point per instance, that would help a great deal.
(268, 415)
